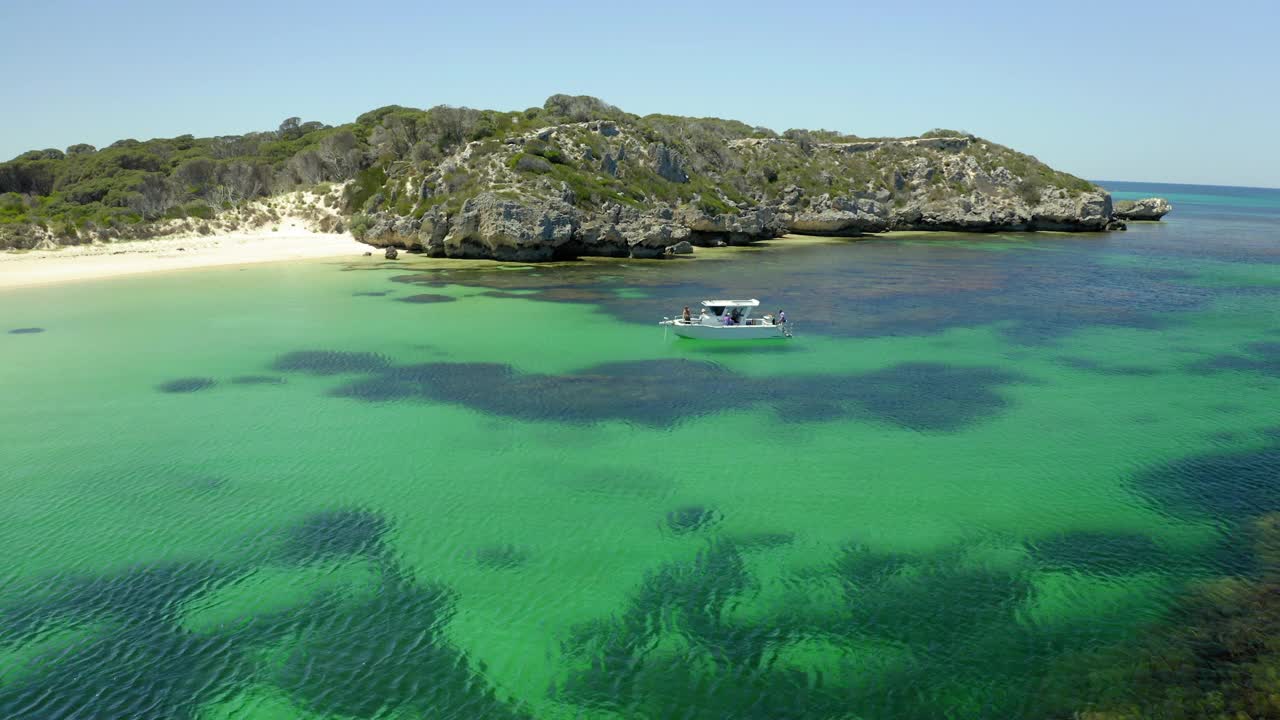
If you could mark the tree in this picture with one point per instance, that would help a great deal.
(289, 129)
(195, 176)
(802, 138)
(152, 196)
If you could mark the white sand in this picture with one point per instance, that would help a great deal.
(83, 262)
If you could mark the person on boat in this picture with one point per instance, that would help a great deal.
(703, 316)
(782, 318)
(737, 316)
(686, 316)
(728, 319)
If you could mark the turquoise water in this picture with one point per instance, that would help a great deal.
(367, 489)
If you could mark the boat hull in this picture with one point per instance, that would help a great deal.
(730, 332)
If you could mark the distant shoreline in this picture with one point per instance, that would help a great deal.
(28, 268)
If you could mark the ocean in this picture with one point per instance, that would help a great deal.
(991, 476)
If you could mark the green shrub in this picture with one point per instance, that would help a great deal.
(367, 184)
(1030, 190)
(525, 162)
(359, 226)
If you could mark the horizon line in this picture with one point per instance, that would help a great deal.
(1185, 184)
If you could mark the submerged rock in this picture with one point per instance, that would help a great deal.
(391, 253)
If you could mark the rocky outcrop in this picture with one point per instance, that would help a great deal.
(619, 187)
(668, 163)
(709, 230)
(490, 226)
(841, 216)
(532, 229)
(1145, 209)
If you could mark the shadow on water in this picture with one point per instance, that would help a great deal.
(358, 657)
(26, 331)
(921, 396)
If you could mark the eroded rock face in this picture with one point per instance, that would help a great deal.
(524, 229)
(976, 212)
(1145, 209)
(731, 228)
(1058, 210)
(668, 163)
(491, 226)
(392, 231)
(841, 216)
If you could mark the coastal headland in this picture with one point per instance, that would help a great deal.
(576, 177)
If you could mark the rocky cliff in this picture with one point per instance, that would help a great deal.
(626, 186)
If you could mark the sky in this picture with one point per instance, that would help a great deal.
(1165, 91)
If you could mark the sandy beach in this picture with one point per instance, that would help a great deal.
(103, 260)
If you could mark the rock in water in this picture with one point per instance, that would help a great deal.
(1152, 208)
(391, 253)
(681, 248)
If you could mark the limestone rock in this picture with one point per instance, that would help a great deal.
(731, 228)
(431, 232)
(841, 216)
(393, 231)
(667, 163)
(391, 253)
(491, 226)
(609, 166)
(681, 248)
(1152, 208)
(1058, 210)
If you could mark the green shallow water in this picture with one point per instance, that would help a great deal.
(283, 491)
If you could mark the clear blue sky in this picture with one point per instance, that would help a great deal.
(1161, 91)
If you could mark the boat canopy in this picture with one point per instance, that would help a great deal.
(731, 303)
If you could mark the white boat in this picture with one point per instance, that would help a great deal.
(728, 320)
